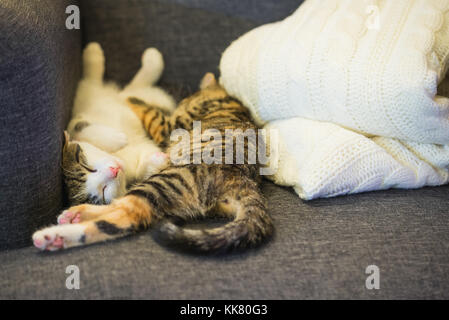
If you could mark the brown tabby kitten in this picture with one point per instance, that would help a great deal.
(184, 192)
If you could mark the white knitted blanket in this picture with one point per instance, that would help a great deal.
(351, 86)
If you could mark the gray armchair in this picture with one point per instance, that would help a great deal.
(321, 248)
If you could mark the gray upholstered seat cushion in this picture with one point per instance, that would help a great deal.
(320, 250)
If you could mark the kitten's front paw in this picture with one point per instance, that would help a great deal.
(159, 160)
(58, 237)
(155, 163)
(67, 217)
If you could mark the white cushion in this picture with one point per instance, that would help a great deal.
(370, 67)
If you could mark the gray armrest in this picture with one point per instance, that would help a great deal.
(39, 70)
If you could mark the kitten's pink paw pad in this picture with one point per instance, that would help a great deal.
(69, 214)
(48, 242)
(38, 243)
(59, 237)
(69, 217)
(58, 242)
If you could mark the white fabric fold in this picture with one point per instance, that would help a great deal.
(352, 87)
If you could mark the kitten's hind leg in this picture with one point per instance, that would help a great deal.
(93, 62)
(150, 71)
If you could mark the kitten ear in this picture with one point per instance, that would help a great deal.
(66, 138)
(208, 81)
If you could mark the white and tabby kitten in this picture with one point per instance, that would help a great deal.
(106, 147)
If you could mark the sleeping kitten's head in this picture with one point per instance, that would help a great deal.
(90, 174)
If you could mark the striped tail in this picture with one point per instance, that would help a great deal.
(249, 231)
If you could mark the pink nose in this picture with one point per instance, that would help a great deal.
(114, 171)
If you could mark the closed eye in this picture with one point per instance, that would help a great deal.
(104, 200)
(87, 168)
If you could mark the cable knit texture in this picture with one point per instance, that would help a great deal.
(355, 89)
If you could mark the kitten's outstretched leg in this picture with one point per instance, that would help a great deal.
(151, 70)
(124, 216)
(93, 62)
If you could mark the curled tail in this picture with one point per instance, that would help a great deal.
(250, 227)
